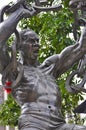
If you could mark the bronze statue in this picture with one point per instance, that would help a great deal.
(33, 85)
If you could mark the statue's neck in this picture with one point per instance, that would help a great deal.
(31, 62)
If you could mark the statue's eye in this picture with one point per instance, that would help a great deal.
(37, 40)
(24, 38)
(31, 40)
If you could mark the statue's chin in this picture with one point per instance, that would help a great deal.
(34, 56)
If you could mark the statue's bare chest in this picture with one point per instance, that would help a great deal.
(37, 86)
(37, 80)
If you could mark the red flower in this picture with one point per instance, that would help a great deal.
(8, 83)
(6, 88)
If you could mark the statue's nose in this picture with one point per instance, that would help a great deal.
(36, 44)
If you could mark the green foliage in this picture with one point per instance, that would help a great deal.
(69, 102)
(9, 112)
(54, 29)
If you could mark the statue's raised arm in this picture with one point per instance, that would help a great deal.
(8, 26)
(15, 13)
(72, 54)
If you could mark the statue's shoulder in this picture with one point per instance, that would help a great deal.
(51, 59)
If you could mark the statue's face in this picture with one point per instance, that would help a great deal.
(30, 45)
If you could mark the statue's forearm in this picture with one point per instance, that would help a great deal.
(82, 41)
(77, 50)
(8, 26)
(73, 53)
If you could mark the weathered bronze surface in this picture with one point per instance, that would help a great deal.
(33, 84)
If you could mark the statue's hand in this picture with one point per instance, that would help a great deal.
(27, 11)
(15, 6)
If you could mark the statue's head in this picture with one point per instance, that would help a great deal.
(29, 44)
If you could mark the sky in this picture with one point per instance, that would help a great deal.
(5, 2)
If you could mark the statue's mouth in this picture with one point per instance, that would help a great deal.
(36, 51)
(36, 48)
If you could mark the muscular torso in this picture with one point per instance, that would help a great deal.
(39, 98)
(37, 86)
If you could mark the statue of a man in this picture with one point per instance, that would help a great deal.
(37, 92)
